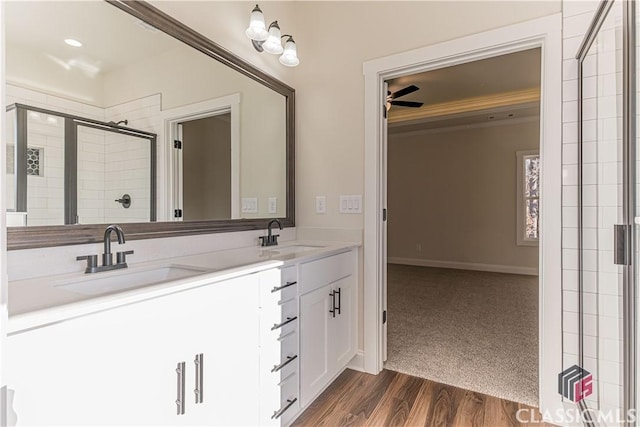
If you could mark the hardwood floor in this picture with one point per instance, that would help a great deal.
(394, 399)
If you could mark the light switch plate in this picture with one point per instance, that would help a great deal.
(321, 204)
(249, 205)
(273, 205)
(351, 204)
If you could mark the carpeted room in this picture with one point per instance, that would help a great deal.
(462, 284)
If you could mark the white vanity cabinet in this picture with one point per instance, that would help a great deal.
(118, 367)
(328, 318)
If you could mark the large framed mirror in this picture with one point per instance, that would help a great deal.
(119, 113)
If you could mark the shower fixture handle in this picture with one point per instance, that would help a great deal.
(125, 201)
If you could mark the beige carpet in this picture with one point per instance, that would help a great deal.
(469, 329)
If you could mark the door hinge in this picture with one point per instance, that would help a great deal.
(384, 317)
(384, 214)
(621, 239)
(177, 213)
(177, 144)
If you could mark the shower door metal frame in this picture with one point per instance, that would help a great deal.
(628, 197)
(71, 123)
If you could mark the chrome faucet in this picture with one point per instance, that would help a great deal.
(107, 256)
(271, 239)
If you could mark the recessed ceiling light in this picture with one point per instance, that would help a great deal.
(73, 42)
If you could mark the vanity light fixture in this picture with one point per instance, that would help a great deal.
(270, 40)
(73, 42)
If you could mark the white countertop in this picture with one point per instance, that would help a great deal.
(37, 302)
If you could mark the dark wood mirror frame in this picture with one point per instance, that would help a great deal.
(44, 236)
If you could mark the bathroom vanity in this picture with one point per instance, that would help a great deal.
(240, 337)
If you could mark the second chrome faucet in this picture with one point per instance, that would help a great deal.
(107, 256)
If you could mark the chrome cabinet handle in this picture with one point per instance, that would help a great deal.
(290, 359)
(199, 390)
(180, 399)
(339, 299)
(286, 285)
(282, 410)
(280, 325)
(332, 294)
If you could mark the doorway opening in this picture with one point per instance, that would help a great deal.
(544, 33)
(206, 167)
(203, 158)
(463, 173)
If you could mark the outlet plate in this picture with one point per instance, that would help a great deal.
(321, 204)
(273, 205)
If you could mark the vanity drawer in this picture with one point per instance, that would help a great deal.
(280, 318)
(315, 274)
(283, 402)
(274, 353)
(280, 287)
(289, 399)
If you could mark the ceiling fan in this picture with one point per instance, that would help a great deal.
(391, 98)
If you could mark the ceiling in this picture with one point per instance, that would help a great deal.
(489, 86)
(110, 37)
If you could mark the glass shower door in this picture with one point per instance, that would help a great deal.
(604, 236)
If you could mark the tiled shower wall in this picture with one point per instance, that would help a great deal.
(98, 153)
(601, 107)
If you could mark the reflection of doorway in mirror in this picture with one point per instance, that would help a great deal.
(210, 148)
(206, 166)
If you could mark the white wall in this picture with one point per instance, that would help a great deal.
(330, 84)
(453, 192)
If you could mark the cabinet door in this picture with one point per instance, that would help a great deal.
(118, 367)
(316, 324)
(343, 340)
(228, 338)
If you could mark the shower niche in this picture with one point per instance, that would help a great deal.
(68, 169)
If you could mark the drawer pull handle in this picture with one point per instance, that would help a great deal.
(332, 294)
(199, 390)
(339, 292)
(180, 398)
(280, 325)
(290, 359)
(286, 285)
(277, 414)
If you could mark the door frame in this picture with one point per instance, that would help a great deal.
(173, 165)
(544, 33)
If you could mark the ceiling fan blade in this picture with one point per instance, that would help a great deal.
(406, 91)
(407, 104)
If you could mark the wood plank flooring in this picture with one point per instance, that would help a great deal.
(394, 399)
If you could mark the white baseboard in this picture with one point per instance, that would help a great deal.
(530, 271)
(357, 363)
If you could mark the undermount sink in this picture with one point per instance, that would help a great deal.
(292, 249)
(95, 284)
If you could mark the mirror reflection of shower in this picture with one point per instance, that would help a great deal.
(67, 169)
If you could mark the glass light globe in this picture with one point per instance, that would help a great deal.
(290, 54)
(273, 44)
(257, 30)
